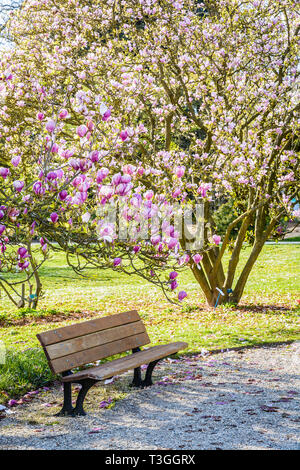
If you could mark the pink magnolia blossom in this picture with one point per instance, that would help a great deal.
(63, 194)
(82, 130)
(128, 169)
(125, 179)
(4, 172)
(18, 185)
(155, 239)
(107, 232)
(216, 239)
(124, 135)
(296, 213)
(22, 252)
(181, 295)
(106, 115)
(67, 154)
(123, 189)
(149, 195)
(74, 163)
(176, 193)
(183, 260)
(42, 241)
(90, 125)
(15, 160)
(172, 242)
(54, 217)
(179, 171)
(197, 258)
(23, 265)
(12, 403)
(50, 126)
(107, 191)
(203, 188)
(101, 175)
(33, 225)
(94, 156)
(173, 275)
(136, 200)
(52, 175)
(63, 114)
(55, 148)
(38, 188)
(13, 213)
(116, 179)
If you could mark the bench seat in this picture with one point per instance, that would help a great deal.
(123, 364)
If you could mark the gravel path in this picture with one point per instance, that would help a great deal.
(232, 400)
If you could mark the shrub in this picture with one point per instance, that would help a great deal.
(22, 372)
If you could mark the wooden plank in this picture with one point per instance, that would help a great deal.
(87, 327)
(94, 339)
(99, 352)
(131, 361)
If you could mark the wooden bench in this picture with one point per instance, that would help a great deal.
(84, 343)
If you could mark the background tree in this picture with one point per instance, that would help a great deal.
(200, 104)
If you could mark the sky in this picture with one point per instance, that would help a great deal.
(5, 7)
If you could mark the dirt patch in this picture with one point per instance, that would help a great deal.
(48, 318)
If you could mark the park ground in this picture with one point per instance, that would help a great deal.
(269, 313)
(251, 389)
(241, 400)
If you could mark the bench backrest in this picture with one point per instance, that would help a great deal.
(82, 343)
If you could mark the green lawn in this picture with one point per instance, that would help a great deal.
(269, 312)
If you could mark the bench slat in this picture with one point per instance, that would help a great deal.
(123, 364)
(99, 352)
(87, 327)
(92, 340)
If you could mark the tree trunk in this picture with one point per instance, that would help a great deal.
(202, 281)
(240, 285)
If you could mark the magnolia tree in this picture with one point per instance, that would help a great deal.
(52, 192)
(150, 113)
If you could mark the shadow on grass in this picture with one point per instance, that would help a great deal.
(270, 309)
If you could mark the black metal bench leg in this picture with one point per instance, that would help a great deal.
(137, 375)
(137, 378)
(86, 385)
(67, 409)
(148, 377)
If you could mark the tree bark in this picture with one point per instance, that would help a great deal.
(240, 285)
(258, 246)
(234, 260)
(202, 281)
